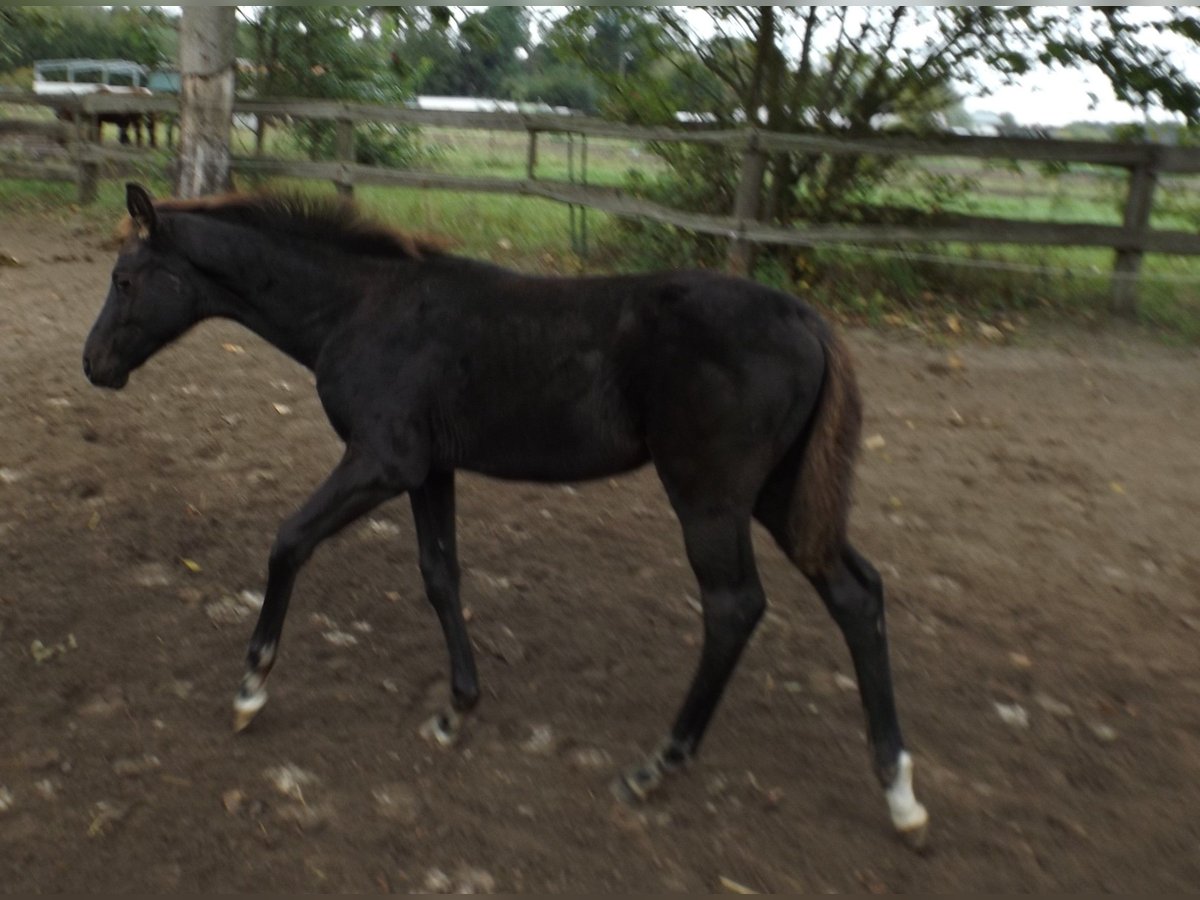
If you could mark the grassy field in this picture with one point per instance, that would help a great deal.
(910, 285)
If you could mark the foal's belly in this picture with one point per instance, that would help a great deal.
(539, 453)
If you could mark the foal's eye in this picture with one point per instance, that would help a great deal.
(121, 281)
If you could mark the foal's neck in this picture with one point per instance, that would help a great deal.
(290, 295)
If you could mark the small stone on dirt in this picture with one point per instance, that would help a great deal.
(382, 528)
(227, 611)
(151, 575)
(139, 765)
(590, 758)
(7, 800)
(251, 599)
(990, 332)
(398, 802)
(306, 816)
(1013, 714)
(232, 800)
(1056, 708)
(466, 880)
(1105, 734)
(845, 682)
(1020, 660)
(502, 644)
(340, 638)
(437, 882)
(290, 780)
(103, 705)
(105, 815)
(875, 442)
(540, 741)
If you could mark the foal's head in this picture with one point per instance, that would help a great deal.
(152, 300)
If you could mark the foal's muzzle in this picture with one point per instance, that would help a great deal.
(104, 376)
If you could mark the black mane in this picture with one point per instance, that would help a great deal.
(331, 221)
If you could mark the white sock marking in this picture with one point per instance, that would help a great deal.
(907, 813)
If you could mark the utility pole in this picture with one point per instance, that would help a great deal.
(206, 58)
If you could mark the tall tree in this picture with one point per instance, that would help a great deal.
(335, 52)
(206, 58)
(854, 70)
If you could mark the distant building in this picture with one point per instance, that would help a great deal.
(485, 104)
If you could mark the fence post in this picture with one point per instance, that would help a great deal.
(746, 203)
(531, 155)
(87, 130)
(1139, 203)
(344, 151)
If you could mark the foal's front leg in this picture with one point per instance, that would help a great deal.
(354, 487)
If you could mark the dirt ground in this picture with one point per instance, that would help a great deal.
(1034, 512)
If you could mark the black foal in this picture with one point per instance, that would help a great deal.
(741, 397)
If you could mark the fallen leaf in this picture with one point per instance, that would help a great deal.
(953, 323)
(282, 408)
(94, 520)
(233, 348)
(875, 442)
(1117, 487)
(40, 652)
(190, 564)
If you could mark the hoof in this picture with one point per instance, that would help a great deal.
(635, 786)
(916, 836)
(444, 729)
(245, 708)
(909, 817)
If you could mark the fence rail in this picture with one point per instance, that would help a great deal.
(1143, 163)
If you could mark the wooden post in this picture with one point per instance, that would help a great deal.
(87, 132)
(531, 155)
(206, 58)
(746, 204)
(1138, 205)
(344, 151)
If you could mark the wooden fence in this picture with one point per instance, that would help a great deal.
(1143, 163)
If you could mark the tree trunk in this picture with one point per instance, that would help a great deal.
(748, 198)
(206, 56)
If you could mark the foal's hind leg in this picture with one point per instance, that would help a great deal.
(433, 514)
(353, 488)
(722, 556)
(853, 594)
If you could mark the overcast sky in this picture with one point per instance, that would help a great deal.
(1052, 98)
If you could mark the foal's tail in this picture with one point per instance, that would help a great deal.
(820, 498)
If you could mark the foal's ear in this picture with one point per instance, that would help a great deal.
(141, 209)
